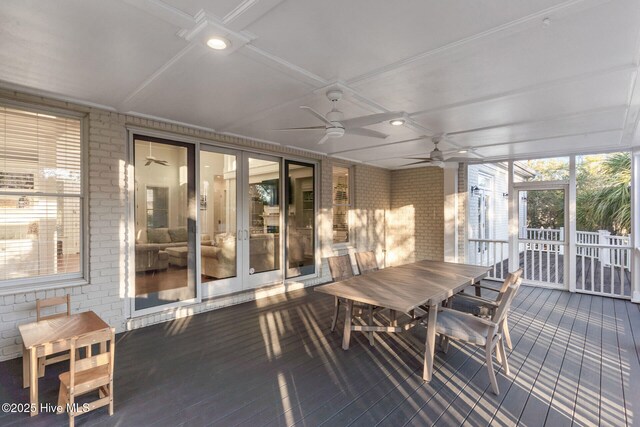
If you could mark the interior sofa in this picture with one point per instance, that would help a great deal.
(152, 242)
(218, 260)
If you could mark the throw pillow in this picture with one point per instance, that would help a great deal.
(178, 234)
(158, 235)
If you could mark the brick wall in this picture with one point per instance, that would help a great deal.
(378, 194)
(372, 204)
(415, 225)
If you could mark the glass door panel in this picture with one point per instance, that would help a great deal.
(300, 219)
(262, 220)
(542, 235)
(164, 222)
(219, 260)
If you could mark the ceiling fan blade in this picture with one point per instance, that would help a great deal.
(323, 140)
(371, 119)
(148, 162)
(316, 114)
(366, 132)
(424, 159)
(304, 128)
(418, 163)
(459, 159)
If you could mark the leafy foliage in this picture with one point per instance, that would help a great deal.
(603, 193)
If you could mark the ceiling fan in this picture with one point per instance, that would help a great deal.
(436, 157)
(335, 126)
(151, 159)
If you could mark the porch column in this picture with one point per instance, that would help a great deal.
(635, 226)
(571, 274)
(514, 251)
(451, 213)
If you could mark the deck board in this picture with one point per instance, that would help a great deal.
(274, 362)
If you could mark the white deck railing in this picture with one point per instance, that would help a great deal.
(490, 253)
(603, 259)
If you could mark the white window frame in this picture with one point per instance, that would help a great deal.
(30, 284)
(349, 206)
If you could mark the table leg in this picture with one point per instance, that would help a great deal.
(25, 367)
(33, 380)
(430, 343)
(346, 336)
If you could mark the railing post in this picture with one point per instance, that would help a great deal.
(561, 239)
(605, 253)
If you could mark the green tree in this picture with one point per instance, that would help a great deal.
(607, 203)
(603, 196)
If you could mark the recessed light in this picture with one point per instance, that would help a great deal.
(463, 151)
(396, 122)
(218, 43)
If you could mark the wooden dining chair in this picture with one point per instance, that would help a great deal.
(366, 262)
(341, 269)
(93, 373)
(487, 333)
(484, 306)
(46, 305)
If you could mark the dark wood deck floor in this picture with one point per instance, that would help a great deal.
(274, 362)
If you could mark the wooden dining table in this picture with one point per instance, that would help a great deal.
(405, 288)
(48, 337)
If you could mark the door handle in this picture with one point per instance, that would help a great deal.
(239, 233)
(246, 234)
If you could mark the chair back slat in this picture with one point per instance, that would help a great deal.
(104, 337)
(505, 303)
(91, 338)
(92, 362)
(366, 262)
(508, 281)
(340, 267)
(52, 302)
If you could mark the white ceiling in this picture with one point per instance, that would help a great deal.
(490, 74)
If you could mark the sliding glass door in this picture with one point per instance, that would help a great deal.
(262, 220)
(165, 222)
(219, 204)
(255, 217)
(300, 213)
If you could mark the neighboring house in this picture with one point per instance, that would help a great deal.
(488, 208)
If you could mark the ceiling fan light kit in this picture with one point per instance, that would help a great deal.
(335, 125)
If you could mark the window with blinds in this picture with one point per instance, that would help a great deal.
(40, 196)
(341, 204)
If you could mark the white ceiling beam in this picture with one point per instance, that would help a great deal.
(547, 119)
(126, 104)
(567, 7)
(164, 12)
(247, 12)
(527, 89)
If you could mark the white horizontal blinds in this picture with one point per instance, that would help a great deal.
(40, 195)
(341, 204)
(43, 145)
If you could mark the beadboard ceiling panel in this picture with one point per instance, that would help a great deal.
(506, 78)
